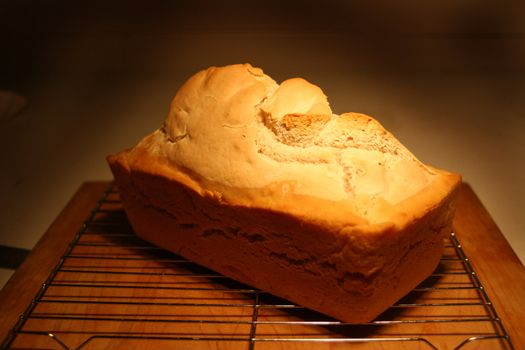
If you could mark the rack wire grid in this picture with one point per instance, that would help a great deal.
(112, 290)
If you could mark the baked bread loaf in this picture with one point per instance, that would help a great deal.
(264, 184)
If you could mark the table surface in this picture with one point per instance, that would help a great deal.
(497, 266)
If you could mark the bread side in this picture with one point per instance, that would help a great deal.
(262, 183)
(352, 273)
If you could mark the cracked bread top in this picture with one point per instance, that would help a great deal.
(235, 134)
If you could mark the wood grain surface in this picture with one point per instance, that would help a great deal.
(498, 268)
(28, 279)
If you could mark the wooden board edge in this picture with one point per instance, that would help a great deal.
(19, 291)
(497, 266)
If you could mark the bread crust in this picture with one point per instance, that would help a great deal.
(349, 253)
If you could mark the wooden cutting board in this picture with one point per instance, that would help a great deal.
(230, 309)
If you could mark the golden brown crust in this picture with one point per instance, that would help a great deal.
(351, 274)
(263, 184)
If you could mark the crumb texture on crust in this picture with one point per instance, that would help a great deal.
(234, 127)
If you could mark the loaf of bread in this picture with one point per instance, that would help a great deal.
(263, 183)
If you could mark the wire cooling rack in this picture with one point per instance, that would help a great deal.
(112, 290)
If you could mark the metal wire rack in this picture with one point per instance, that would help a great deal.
(112, 290)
